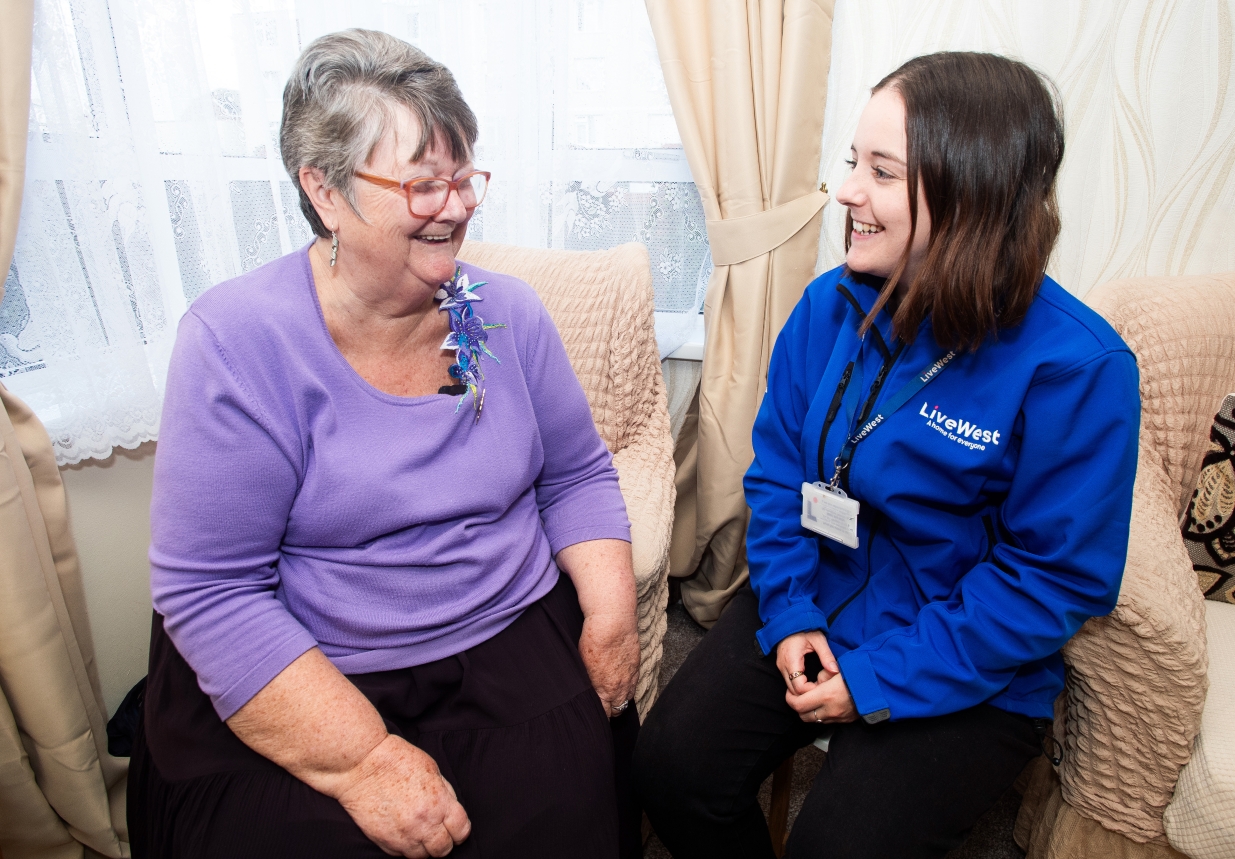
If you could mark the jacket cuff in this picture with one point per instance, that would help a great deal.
(801, 617)
(859, 676)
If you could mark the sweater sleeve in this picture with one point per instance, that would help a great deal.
(577, 488)
(223, 489)
(1059, 560)
(784, 559)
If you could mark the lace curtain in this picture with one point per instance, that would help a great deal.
(153, 171)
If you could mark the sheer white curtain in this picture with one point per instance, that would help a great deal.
(153, 171)
(1147, 185)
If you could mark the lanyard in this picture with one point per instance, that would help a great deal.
(910, 390)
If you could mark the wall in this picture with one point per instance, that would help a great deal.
(1148, 179)
(109, 507)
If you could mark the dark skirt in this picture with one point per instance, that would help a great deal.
(513, 723)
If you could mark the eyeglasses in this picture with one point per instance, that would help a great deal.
(427, 197)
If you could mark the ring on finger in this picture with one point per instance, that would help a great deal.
(621, 708)
(815, 713)
(796, 675)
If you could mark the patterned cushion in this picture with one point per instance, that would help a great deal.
(1209, 523)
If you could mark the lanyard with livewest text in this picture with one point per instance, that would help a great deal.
(827, 509)
(904, 395)
(855, 414)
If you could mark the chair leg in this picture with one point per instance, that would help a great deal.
(778, 808)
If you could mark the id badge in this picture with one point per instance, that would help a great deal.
(827, 510)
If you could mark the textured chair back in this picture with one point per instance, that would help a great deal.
(602, 305)
(1182, 330)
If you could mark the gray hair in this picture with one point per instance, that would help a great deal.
(337, 107)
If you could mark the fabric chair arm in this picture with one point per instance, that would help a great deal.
(645, 472)
(643, 456)
(647, 486)
(1137, 677)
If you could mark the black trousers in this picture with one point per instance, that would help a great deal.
(513, 723)
(902, 789)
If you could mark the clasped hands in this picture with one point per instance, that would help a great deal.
(315, 723)
(824, 699)
(399, 798)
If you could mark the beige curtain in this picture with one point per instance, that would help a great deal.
(748, 80)
(15, 37)
(59, 789)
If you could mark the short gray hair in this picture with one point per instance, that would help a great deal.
(337, 108)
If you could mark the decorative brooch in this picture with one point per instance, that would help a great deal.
(468, 333)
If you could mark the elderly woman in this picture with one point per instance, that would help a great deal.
(374, 461)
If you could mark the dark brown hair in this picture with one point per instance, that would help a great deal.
(985, 139)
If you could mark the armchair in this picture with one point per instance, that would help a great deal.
(601, 302)
(1137, 679)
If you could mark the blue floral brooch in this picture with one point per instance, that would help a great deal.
(468, 333)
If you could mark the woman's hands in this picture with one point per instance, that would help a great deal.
(313, 722)
(604, 577)
(824, 699)
(399, 799)
(610, 650)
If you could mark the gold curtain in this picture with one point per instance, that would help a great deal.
(59, 789)
(747, 80)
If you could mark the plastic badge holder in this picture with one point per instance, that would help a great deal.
(827, 510)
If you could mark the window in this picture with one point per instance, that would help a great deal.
(154, 172)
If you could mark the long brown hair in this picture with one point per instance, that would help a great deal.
(985, 139)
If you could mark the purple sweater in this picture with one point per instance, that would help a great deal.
(295, 505)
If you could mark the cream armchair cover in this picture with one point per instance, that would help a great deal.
(601, 302)
(1137, 678)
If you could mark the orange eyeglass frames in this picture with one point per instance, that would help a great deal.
(427, 196)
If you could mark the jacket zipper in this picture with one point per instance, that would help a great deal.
(990, 536)
(889, 360)
(870, 403)
(880, 343)
(870, 540)
(833, 409)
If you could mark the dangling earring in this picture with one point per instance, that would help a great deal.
(334, 247)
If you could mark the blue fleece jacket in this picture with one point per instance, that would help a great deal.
(994, 505)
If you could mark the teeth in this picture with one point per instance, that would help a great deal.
(866, 229)
(434, 238)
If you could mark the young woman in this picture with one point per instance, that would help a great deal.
(940, 497)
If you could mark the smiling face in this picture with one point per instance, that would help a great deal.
(390, 246)
(877, 193)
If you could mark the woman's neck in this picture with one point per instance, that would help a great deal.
(898, 295)
(362, 313)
